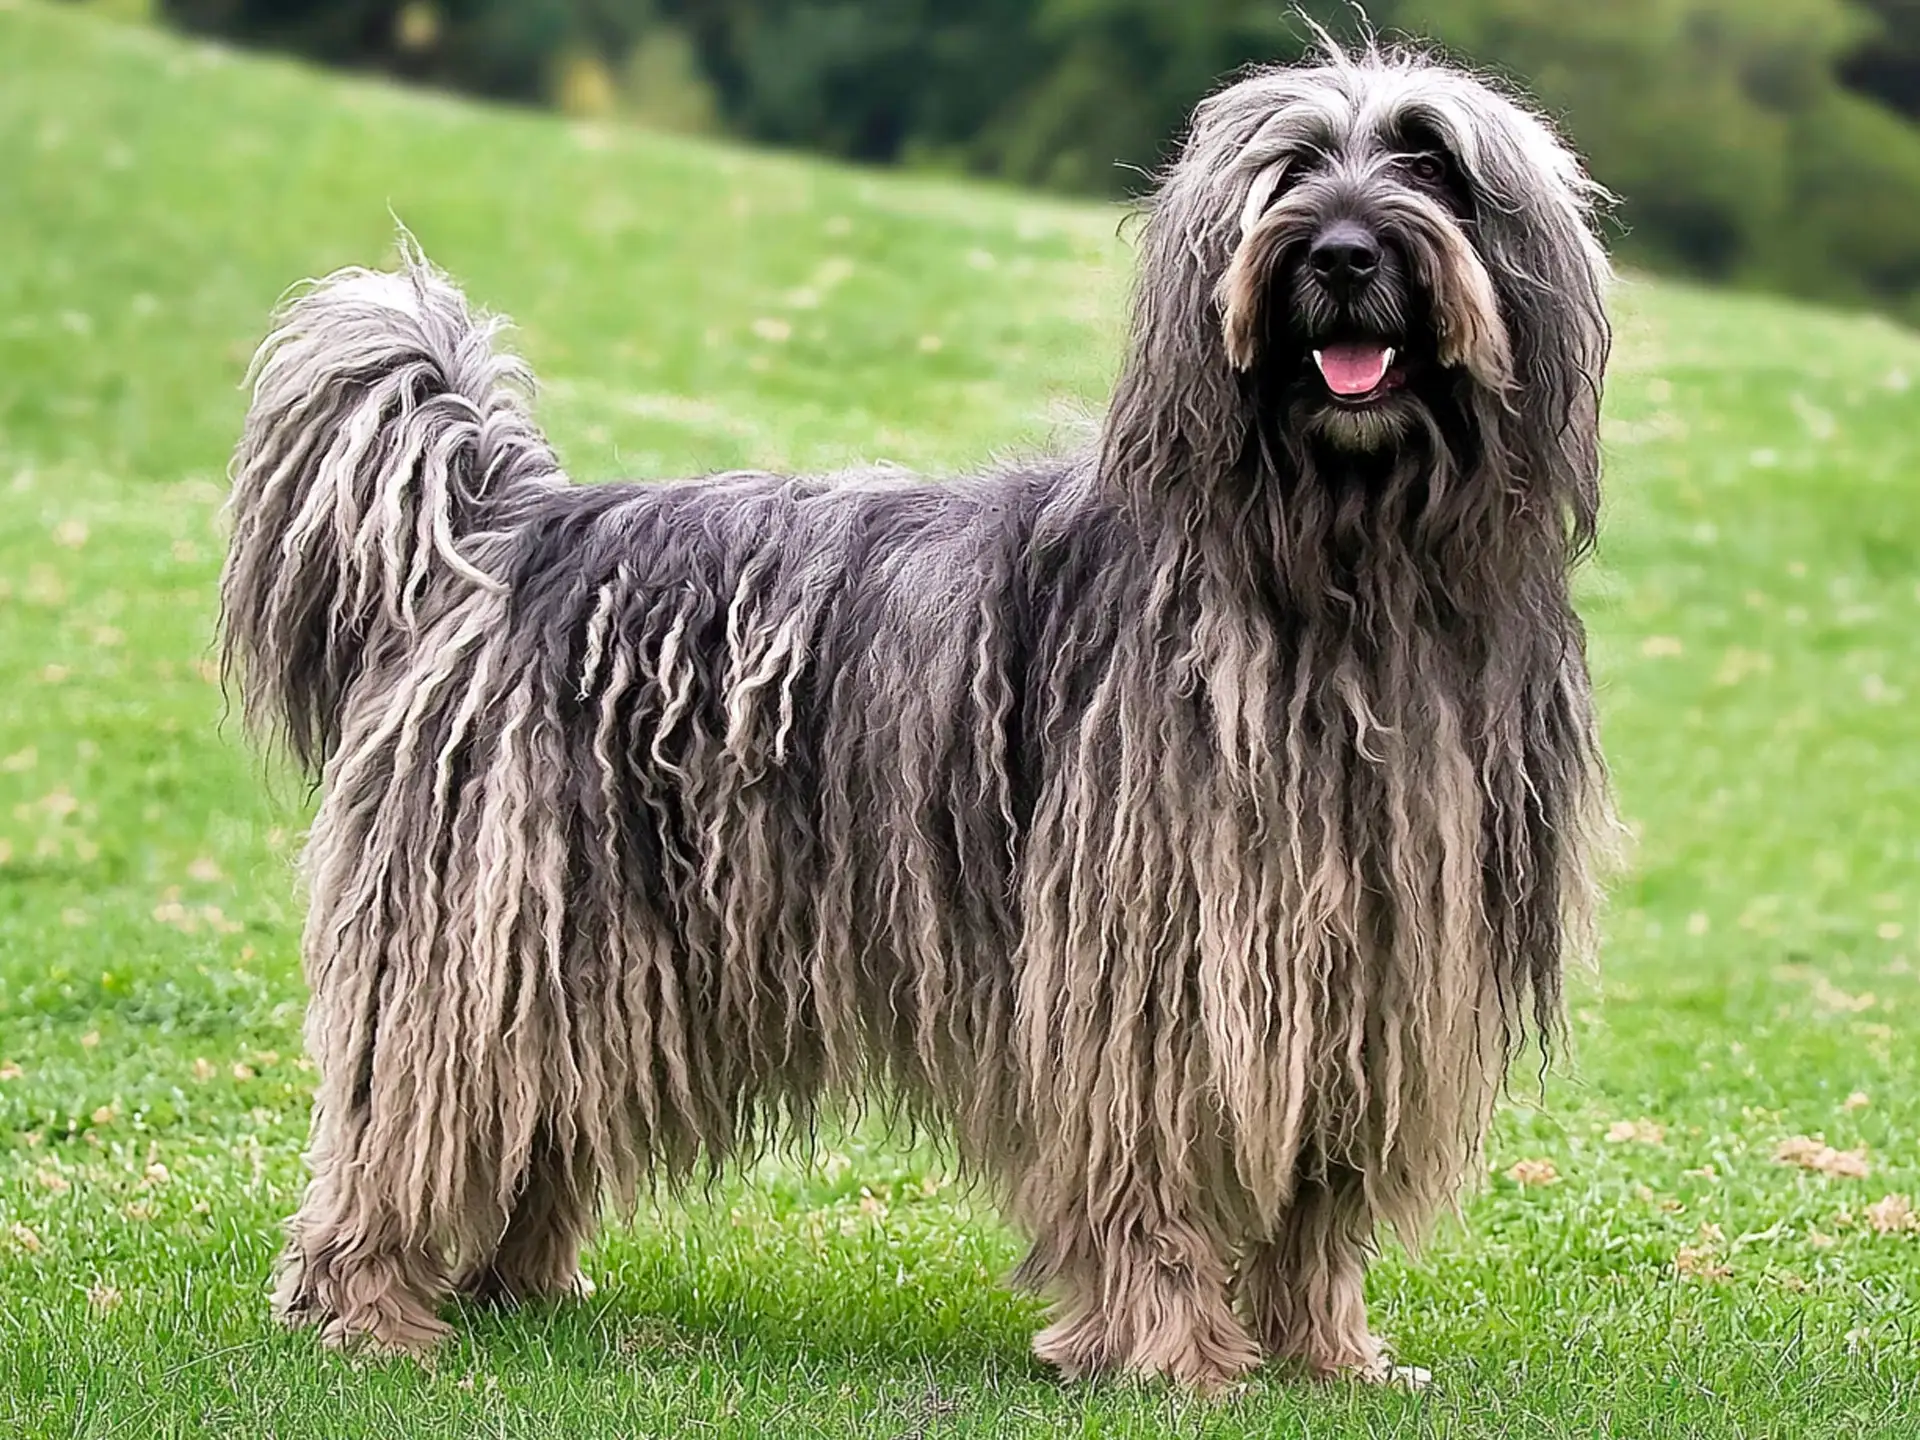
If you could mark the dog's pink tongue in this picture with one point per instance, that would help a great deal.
(1353, 369)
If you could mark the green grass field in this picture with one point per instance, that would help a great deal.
(1653, 1270)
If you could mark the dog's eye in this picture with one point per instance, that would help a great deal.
(1427, 169)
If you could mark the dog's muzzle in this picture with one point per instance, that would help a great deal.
(1347, 306)
(1371, 288)
(1334, 287)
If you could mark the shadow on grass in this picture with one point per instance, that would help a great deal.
(785, 1317)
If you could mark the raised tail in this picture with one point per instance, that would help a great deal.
(385, 450)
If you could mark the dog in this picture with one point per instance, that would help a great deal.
(1195, 826)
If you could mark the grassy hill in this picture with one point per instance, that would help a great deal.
(1757, 632)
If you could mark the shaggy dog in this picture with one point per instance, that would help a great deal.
(1194, 827)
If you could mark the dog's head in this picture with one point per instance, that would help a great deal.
(1357, 282)
(1367, 253)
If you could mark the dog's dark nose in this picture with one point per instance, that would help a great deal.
(1345, 256)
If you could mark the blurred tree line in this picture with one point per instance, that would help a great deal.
(1772, 142)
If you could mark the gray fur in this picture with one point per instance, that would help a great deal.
(1194, 826)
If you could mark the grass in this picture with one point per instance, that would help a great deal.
(1755, 616)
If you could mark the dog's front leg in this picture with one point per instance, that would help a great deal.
(1304, 1289)
(538, 1255)
(1143, 1291)
(354, 1266)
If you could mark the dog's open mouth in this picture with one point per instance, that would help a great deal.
(1359, 372)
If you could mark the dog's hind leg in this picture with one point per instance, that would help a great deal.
(538, 1256)
(1143, 1295)
(353, 1265)
(1304, 1290)
(394, 1148)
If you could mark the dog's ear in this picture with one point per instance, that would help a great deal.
(1178, 410)
(1534, 231)
(1241, 293)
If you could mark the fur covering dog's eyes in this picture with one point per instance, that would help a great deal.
(1427, 168)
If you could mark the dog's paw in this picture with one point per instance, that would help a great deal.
(1220, 1383)
(492, 1287)
(1214, 1365)
(1382, 1371)
(1076, 1348)
(385, 1335)
(388, 1325)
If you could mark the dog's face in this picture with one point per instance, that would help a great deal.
(1377, 220)
(1355, 286)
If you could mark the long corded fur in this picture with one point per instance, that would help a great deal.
(1195, 833)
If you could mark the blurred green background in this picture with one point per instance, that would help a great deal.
(1771, 143)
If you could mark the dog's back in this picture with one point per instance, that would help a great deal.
(651, 812)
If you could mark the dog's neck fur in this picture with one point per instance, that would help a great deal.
(1381, 663)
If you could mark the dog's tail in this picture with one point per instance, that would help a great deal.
(386, 451)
